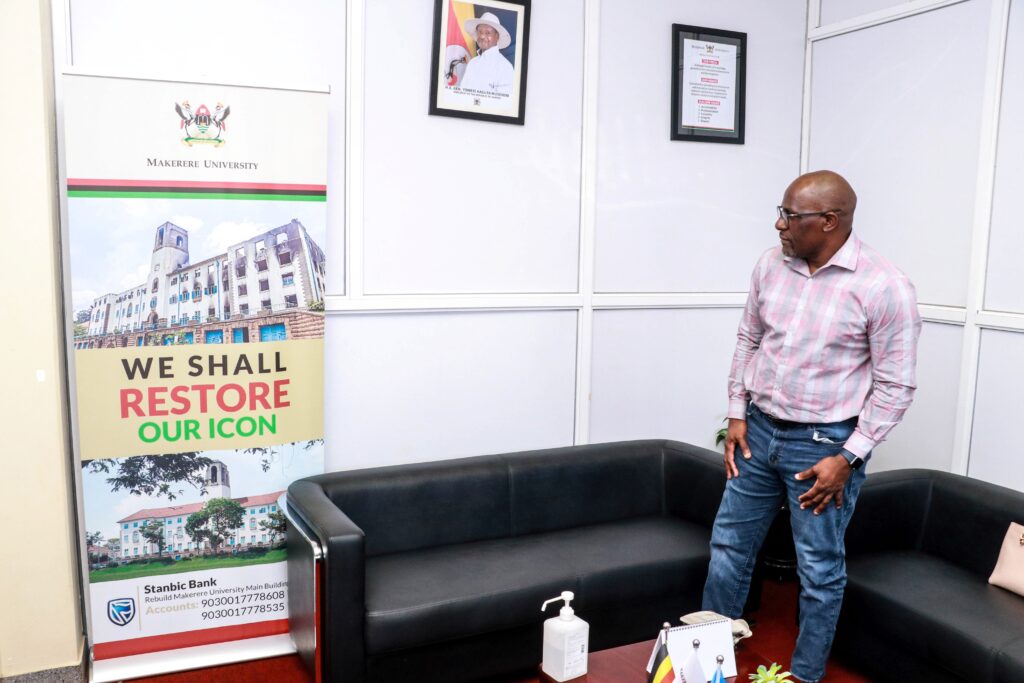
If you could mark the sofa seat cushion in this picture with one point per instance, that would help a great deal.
(424, 596)
(933, 608)
(1010, 663)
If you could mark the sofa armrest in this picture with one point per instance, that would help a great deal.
(305, 562)
(343, 575)
(694, 481)
(891, 511)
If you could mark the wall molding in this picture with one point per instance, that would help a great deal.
(883, 16)
(980, 231)
(999, 320)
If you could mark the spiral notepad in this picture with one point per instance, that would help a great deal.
(715, 639)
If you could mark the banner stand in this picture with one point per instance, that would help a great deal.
(195, 278)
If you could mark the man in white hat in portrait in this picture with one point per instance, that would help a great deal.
(489, 71)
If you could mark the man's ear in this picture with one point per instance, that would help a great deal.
(831, 222)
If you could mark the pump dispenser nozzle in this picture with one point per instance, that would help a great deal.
(566, 611)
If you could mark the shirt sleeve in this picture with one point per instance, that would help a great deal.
(748, 340)
(894, 327)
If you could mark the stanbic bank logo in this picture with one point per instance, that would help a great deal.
(121, 611)
(202, 127)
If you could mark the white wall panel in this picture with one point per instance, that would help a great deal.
(661, 373)
(838, 10)
(455, 205)
(245, 41)
(1005, 287)
(688, 216)
(896, 109)
(925, 437)
(432, 386)
(995, 453)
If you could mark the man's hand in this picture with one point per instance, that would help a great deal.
(736, 436)
(831, 473)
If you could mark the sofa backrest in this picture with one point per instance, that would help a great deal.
(406, 507)
(967, 520)
(581, 485)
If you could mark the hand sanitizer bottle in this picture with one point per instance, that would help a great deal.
(566, 638)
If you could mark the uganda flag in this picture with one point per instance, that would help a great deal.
(661, 670)
(458, 14)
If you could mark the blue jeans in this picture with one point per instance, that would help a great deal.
(748, 507)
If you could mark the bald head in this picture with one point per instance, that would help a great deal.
(827, 191)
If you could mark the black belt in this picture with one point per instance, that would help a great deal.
(779, 423)
(783, 424)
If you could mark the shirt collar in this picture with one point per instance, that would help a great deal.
(845, 258)
(848, 254)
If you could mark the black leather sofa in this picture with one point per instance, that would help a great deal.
(918, 606)
(437, 571)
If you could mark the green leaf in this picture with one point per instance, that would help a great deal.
(771, 675)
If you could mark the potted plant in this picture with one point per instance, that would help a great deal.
(770, 675)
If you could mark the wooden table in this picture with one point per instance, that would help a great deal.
(626, 664)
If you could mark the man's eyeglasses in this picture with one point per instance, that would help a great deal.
(787, 215)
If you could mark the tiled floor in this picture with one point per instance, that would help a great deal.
(774, 627)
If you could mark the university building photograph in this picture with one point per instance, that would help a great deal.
(134, 543)
(267, 288)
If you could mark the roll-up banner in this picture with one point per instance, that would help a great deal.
(196, 217)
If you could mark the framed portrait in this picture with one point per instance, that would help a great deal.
(709, 77)
(478, 66)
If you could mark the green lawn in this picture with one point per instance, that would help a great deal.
(168, 566)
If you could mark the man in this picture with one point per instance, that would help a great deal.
(823, 370)
(489, 71)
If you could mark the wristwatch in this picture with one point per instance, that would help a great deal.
(854, 461)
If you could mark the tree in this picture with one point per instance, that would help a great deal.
(153, 532)
(195, 527)
(215, 522)
(275, 523)
(153, 474)
(93, 538)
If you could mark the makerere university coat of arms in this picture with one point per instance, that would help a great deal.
(202, 127)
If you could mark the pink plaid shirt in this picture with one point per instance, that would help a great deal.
(828, 346)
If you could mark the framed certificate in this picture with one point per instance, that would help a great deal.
(709, 68)
(478, 65)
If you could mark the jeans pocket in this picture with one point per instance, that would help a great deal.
(819, 436)
(832, 433)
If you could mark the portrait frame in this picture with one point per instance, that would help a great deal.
(709, 78)
(471, 81)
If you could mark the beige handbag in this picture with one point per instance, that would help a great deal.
(1009, 571)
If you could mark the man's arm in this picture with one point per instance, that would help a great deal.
(748, 340)
(894, 327)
